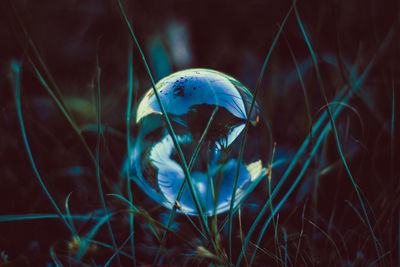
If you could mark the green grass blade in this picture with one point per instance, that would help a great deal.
(55, 258)
(63, 110)
(179, 195)
(40, 59)
(356, 212)
(24, 217)
(130, 237)
(285, 197)
(392, 133)
(314, 59)
(99, 185)
(303, 86)
(69, 217)
(128, 144)
(86, 240)
(243, 140)
(328, 237)
(15, 75)
(169, 127)
(109, 247)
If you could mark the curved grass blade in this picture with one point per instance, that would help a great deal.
(69, 217)
(328, 237)
(54, 257)
(15, 75)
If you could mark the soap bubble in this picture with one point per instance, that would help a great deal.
(193, 99)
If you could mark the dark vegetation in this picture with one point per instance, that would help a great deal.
(335, 200)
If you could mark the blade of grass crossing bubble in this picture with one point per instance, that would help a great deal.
(15, 75)
(191, 164)
(128, 144)
(99, 185)
(244, 136)
(169, 127)
(314, 59)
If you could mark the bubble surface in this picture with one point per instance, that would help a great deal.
(193, 99)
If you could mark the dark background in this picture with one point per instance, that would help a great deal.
(230, 36)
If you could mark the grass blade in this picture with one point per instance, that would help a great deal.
(203, 223)
(15, 75)
(243, 140)
(100, 188)
(314, 59)
(128, 144)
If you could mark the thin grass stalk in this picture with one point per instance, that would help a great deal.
(41, 61)
(99, 185)
(68, 216)
(243, 140)
(63, 111)
(203, 223)
(179, 195)
(128, 144)
(86, 240)
(314, 59)
(349, 93)
(294, 161)
(55, 259)
(117, 251)
(288, 193)
(15, 75)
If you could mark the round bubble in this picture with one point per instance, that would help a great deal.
(208, 111)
